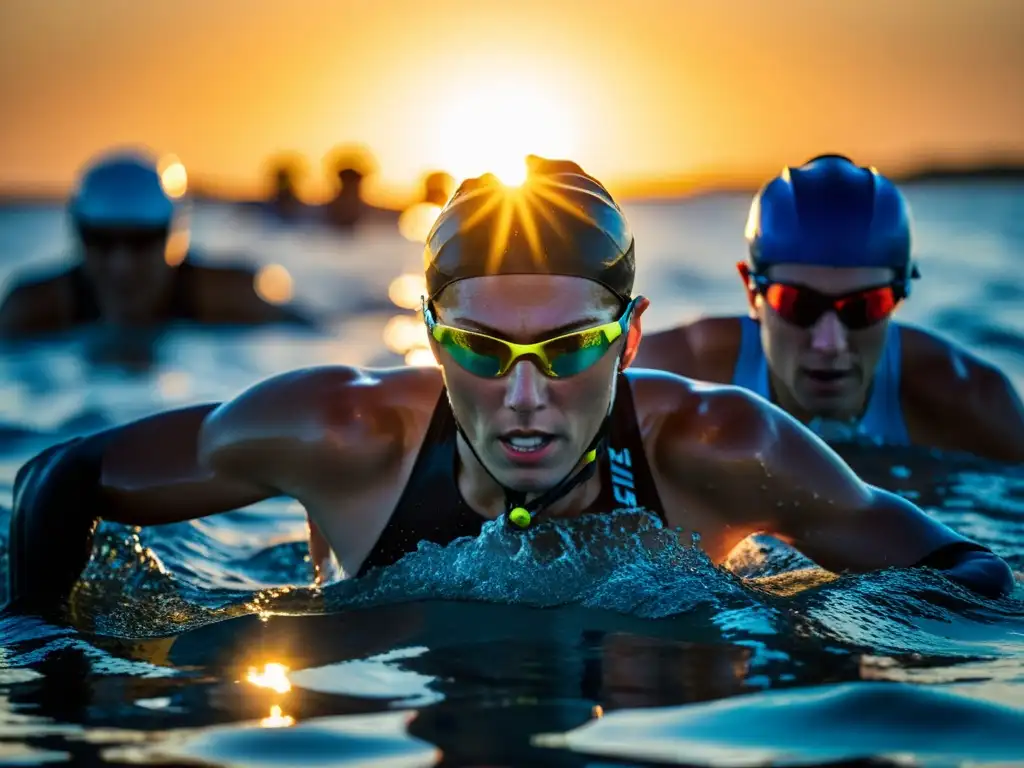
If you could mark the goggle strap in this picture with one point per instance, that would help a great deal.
(514, 500)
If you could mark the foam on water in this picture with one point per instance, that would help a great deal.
(624, 562)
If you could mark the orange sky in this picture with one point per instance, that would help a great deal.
(637, 90)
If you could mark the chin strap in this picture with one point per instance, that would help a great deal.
(518, 513)
(521, 514)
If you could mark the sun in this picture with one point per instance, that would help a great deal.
(490, 127)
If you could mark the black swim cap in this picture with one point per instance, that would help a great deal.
(831, 212)
(561, 221)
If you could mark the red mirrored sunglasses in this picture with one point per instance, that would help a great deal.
(803, 306)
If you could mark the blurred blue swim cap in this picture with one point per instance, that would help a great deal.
(831, 212)
(123, 188)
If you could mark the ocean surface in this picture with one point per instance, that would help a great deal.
(202, 643)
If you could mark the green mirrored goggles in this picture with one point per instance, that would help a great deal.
(560, 357)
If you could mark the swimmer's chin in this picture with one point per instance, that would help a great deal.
(532, 481)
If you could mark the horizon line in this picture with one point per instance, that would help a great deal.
(637, 188)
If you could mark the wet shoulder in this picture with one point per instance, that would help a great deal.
(218, 274)
(936, 369)
(706, 349)
(940, 377)
(704, 443)
(315, 417)
(39, 301)
(237, 294)
(219, 293)
(682, 411)
(336, 397)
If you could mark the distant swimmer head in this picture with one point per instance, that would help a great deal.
(129, 189)
(129, 215)
(831, 212)
(530, 312)
(829, 262)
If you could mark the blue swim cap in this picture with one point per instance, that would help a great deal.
(831, 212)
(561, 221)
(123, 189)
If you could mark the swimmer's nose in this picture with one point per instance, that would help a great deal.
(829, 336)
(526, 387)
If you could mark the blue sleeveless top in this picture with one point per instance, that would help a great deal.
(882, 421)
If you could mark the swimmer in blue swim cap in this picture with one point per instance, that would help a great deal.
(532, 414)
(830, 261)
(129, 223)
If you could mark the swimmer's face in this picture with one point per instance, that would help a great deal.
(528, 429)
(825, 370)
(129, 272)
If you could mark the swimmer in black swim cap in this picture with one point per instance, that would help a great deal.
(534, 322)
(551, 265)
(830, 261)
(130, 222)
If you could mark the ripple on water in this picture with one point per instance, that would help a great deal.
(352, 741)
(811, 726)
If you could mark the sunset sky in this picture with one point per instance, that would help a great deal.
(643, 93)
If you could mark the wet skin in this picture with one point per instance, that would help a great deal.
(343, 441)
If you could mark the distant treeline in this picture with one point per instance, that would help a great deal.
(996, 171)
(992, 172)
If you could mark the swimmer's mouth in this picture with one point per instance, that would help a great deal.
(827, 377)
(526, 442)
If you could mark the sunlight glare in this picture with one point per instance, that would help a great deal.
(512, 173)
(176, 248)
(491, 128)
(273, 676)
(421, 357)
(404, 333)
(415, 222)
(277, 719)
(174, 385)
(273, 284)
(406, 290)
(173, 177)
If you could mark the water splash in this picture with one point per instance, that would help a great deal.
(625, 562)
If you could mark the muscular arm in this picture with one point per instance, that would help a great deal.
(306, 433)
(143, 473)
(956, 401)
(152, 475)
(761, 471)
(351, 431)
(167, 468)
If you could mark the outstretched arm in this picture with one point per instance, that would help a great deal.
(143, 473)
(29, 309)
(768, 473)
(230, 296)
